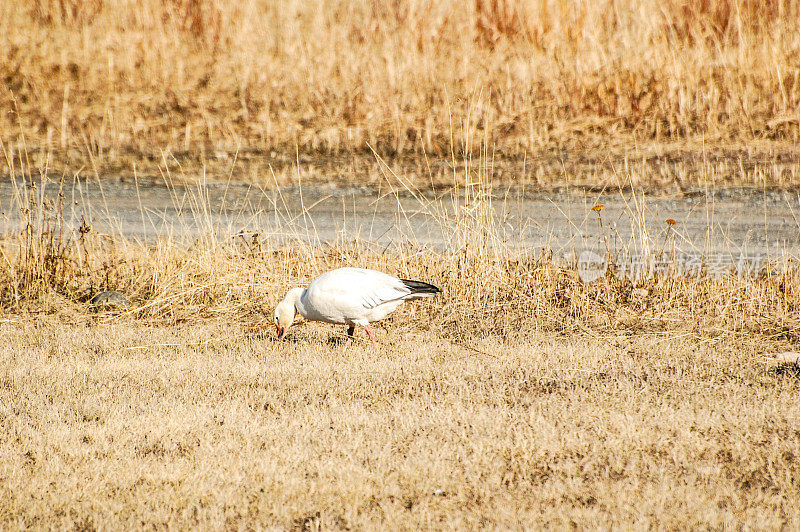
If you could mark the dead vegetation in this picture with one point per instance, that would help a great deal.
(127, 425)
(492, 287)
(106, 85)
(523, 397)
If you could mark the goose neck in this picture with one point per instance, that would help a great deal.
(296, 295)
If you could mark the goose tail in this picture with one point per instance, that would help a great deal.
(420, 289)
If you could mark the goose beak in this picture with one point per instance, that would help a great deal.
(281, 332)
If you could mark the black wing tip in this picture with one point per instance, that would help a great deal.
(418, 287)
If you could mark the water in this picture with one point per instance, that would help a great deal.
(732, 223)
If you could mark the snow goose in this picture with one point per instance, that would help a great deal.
(349, 296)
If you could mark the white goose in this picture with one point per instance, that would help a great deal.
(349, 296)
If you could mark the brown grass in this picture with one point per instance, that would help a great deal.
(108, 84)
(484, 294)
(130, 426)
(492, 285)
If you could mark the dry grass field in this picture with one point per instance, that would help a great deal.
(522, 397)
(109, 86)
(122, 425)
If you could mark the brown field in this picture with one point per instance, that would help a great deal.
(547, 85)
(522, 397)
(124, 425)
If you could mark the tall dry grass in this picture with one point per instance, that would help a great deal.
(492, 285)
(107, 84)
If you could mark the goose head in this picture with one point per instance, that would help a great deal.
(286, 311)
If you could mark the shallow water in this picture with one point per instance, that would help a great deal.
(728, 222)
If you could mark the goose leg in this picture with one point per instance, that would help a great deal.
(371, 336)
(351, 329)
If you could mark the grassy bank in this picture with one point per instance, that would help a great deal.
(106, 85)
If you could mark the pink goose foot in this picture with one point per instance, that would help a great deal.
(371, 336)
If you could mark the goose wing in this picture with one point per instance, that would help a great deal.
(355, 290)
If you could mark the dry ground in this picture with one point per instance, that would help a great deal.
(122, 425)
